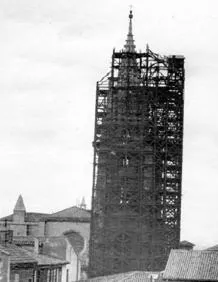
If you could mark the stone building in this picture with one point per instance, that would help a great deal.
(4, 266)
(21, 265)
(57, 233)
(63, 248)
(34, 224)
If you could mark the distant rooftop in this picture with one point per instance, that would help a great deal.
(213, 248)
(69, 214)
(72, 213)
(186, 243)
(29, 217)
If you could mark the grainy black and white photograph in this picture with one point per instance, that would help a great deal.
(108, 141)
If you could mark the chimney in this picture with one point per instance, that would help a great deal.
(36, 245)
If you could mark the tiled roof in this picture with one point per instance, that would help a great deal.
(186, 243)
(73, 213)
(35, 216)
(45, 260)
(133, 276)
(70, 214)
(192, 265)
(29, 217)
(17, 254)
(213, 248)
(8, 218)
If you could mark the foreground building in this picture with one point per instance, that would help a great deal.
(63, 234)
(192, 266)
(26, 266)
(138, 140)
(132, 276)
(18, 265)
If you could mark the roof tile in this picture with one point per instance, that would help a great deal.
(192, 265)
(29, 217)
(133, 276)
(17, 255)
(74, 211)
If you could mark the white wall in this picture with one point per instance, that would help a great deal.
(74, 265)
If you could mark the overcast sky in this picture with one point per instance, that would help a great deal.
(52, 52)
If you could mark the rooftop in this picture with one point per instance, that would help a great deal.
(45, 260)
(133, 276)
(17, 254)
(73, 213)
(20, 255)
(70, 214)
(192, 265)
(213, 248)
(186, 243)
(29, 217)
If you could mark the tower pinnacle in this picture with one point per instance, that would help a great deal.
(130, 46)
(20, 205)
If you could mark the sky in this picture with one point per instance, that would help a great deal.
(52, 52)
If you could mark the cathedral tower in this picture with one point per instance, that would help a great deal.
(138, 140)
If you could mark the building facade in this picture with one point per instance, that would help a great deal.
(21, 265)
(138, 140)
(4, 266)
(55, 234)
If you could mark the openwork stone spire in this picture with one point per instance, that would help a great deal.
(130, 46)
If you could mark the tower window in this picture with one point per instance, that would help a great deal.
(126, 161)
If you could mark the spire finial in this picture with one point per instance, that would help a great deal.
(130, 46)
(83, 203)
